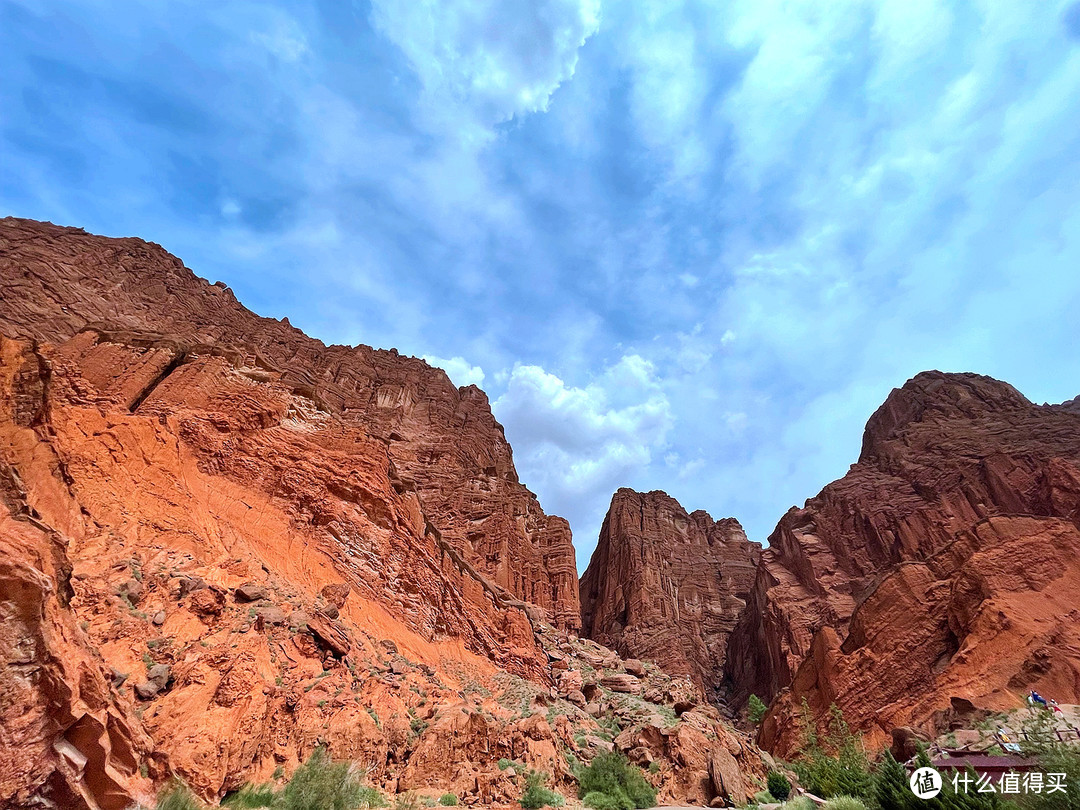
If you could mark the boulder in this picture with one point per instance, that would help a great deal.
(251, 592)
(621, 682)
(336, 594)
(270, 614)
(132, 590)
(206, 602)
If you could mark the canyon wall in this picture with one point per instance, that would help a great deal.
(442, 442)
(882, 593)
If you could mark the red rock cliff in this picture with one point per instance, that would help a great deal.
(667, 586)
(223, 544)
(443, 442)
(901, 565)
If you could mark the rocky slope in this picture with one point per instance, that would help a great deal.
(667, 586)
(223, 544)
(946, 558)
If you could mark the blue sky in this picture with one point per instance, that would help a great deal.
(687, 246)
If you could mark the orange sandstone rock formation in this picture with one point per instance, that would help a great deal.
(939, 567)
(667, 586)
(442, 442)
(223, 544)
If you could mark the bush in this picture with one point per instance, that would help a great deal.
(837, 765)
(779, 785)
(321, 784)
(601, 801)
(177, 796)
(623, 784)
(800, 803)
(756, 709)
(250, 796)
(764, 797)
(843, 803)
(448, 800)
(371, 797)
(536, 795)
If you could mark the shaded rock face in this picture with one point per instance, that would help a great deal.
(159, 328)
(667, 586)
(941, 558)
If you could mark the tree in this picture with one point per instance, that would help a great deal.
(779, 786)
(756, 709)
(891, 787)
(836, 765)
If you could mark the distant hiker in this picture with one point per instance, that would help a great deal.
(1056, 708)
(1035, 697)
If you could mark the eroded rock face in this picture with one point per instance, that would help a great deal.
(443, 443)
(931, 560)
(222, 545)
(667, 586)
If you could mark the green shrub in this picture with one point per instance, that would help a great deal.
(891, 789)
(601, 801)
(251, 796)
(536, 795)
(321, 784)
(756, 709)
(448, 800)
(836, 765)
(654, 767)
(371, 797)
(764, 797)
(800, 803)
(624, 784)
(177, 796)
(779, 786)
(843, 803)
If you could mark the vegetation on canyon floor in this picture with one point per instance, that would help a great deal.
(609, 782)
(836, 766)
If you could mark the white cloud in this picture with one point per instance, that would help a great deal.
(458, 369)
(284, 39)
(577, 445)
(484, 60)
